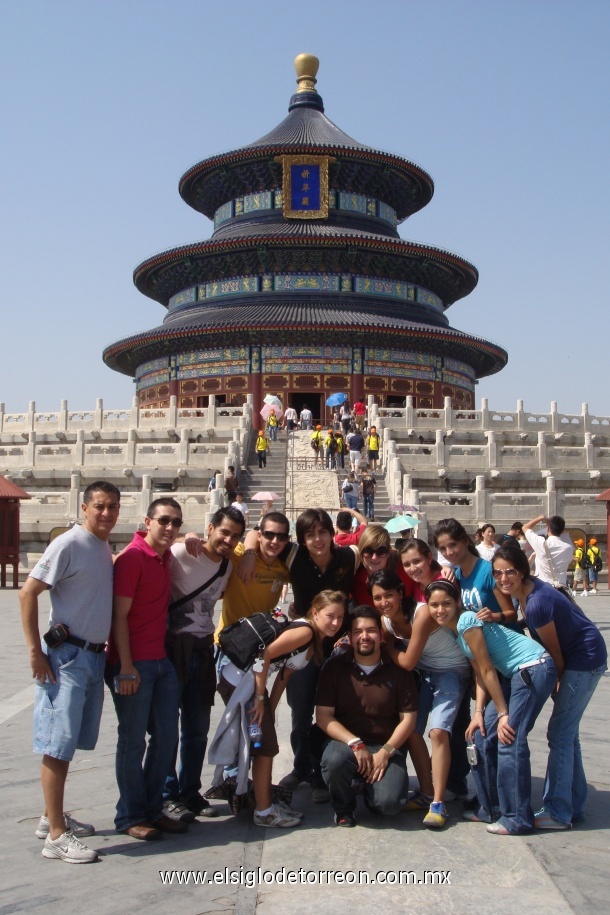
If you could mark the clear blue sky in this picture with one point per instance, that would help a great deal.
(105, 104)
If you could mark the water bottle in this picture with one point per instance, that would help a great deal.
(254, 730)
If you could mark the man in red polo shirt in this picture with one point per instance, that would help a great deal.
(143, 680)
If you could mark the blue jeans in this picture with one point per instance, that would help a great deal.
(368, 505)
(350, 500)
(331, 460)
(459, 767)
(195, 708)
(502, 775)
(273, 433)
(301, 696)
(340, 768)
(565, 787)
(141, 770)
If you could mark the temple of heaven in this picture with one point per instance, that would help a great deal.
(305, 287)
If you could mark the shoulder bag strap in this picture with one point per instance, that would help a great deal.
(183, 600)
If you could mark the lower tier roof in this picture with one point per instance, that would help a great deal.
(297, 324)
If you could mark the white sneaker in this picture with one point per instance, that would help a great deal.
(289, 811)
(585, 593)
(68, 848)
(80, 830)
(276, 818)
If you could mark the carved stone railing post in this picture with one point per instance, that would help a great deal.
(542, 457)
(484, 413)
(492, 450)
(62, 418)
(554, 417)
(409, 413)
(172, 415)
(447, 414)
(146, 494)
(73, 496)
(480, 507)
(98, 416)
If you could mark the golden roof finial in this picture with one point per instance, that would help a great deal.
(306, 66)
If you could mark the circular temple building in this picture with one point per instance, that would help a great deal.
(305, 287)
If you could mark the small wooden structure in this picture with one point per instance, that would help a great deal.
(10, 494)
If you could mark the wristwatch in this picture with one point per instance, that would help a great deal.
(390, 750)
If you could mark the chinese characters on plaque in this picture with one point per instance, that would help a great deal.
(305, 186)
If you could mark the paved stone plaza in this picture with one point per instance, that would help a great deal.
(545, 873)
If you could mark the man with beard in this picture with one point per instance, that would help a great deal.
(367, 707)
(197, 582)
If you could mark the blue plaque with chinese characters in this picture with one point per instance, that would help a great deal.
(305, 186)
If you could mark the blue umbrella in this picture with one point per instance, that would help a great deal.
(335, 399)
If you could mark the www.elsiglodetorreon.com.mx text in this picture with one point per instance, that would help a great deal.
(300, 876)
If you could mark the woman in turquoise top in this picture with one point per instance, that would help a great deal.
(480, 592)
(506, 709)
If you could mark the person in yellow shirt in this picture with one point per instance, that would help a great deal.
(263, 593)
(372, 443)
(580, 567)
(262, 448)
(330, 447)
(272, 425)
(595, 558)
(317, 440)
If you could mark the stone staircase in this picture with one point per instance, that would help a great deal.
(272, 477)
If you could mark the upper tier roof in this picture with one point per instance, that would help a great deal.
(306, 129)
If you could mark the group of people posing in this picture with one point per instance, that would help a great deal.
(382, 650)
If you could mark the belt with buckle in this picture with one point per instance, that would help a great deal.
(96, 647)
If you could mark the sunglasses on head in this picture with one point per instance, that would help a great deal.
(165, 521)
(380, 552)
(274, 535)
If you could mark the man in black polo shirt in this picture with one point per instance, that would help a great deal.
(367, 707)
(317, 565)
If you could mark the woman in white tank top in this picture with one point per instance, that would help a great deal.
(291, 651)
(433, 650)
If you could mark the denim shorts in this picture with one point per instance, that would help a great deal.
(67, 713)
(440, 695)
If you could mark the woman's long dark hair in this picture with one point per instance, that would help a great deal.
(456, 531)
(390, 581)
(514, 554)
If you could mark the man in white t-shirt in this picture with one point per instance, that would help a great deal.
(190, 645)
(241, 506)
(290, 418)
(560, 547)
(306, 418)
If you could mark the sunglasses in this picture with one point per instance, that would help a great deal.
(274, 535)
(165, 521)
(380, 552)
(498, 573)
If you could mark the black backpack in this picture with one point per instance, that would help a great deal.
(245, 640)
